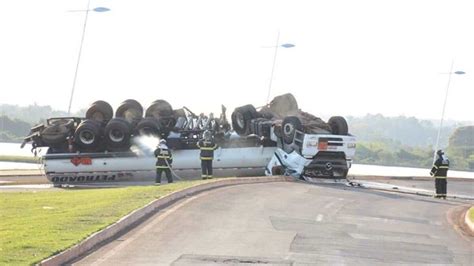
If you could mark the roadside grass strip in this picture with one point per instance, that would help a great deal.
(19, 159)
(471, 214)
(37, 225)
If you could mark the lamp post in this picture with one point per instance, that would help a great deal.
(97, 9)
(444, 106)
(277, 45)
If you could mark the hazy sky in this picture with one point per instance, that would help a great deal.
(351, 57)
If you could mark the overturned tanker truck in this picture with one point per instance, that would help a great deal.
(275, 139)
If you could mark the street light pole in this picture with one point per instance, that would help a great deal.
(273, 67)
(78, 58)
(444, 107)
(97, 9)
(277, 45)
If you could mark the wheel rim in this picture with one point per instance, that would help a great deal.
(288, 129)
(240, 120)
(98, 116)
(131, 114)
(87, 137)
(116, 135)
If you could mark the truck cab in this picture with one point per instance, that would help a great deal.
(313, 155)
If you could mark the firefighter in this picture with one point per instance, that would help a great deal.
(440, 172)
(164, 159)
(207, 147)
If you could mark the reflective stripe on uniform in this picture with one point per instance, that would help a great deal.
(435, 166)
(163, 157)
(440, 177)
(162, 167)
(208, 148)
(444, 167)
(206, 158)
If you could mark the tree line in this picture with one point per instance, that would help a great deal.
(408, 141)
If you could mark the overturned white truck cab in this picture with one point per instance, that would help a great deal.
(276, 139)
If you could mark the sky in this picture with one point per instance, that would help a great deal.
(350, 57)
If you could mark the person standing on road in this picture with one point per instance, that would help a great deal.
(207, 147)
(164, 159)
(440, 172)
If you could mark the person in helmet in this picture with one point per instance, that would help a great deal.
(164, 159)
(207, 147)
(440, 172)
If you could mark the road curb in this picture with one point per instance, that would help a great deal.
(468, 221)
(139, 215)
(402, 189)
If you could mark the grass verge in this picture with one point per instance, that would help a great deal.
(18, 159)
(471, 214)
(37, 225)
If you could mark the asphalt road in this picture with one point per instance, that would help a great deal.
(293, 223)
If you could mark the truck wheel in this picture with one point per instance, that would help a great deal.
(130, 110)
(241, 119)
(159, 108)
(148, 126)
(166, 125)
(338, 125)
(100, 111)
(117, 134)
(88, 135)
(289, 126)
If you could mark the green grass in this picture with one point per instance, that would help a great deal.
(36, 225)
(471, 214)
(18, 159)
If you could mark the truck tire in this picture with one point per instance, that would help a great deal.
(159, 108)
(241, 119)
(117, 134)
(88, 135)
(148, 126)
(131, 111)
(166, 124)
(100, 111)
(57, 132)
(338, 125)
(289, 126)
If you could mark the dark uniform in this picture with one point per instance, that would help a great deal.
(207, 148)
(440, 172)
(163, 155)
